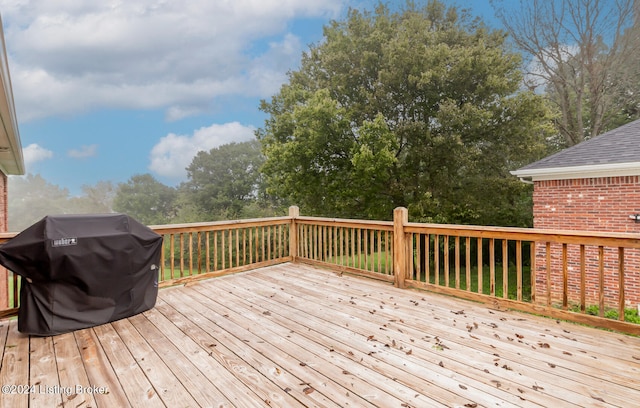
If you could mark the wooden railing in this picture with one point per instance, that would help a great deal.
(586, 277)
(198, 251)
(359, 247)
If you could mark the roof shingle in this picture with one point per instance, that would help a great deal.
(620, 145)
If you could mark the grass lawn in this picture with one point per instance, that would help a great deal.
(512, 280)
(371, 264)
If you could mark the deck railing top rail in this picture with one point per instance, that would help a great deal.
(618, 239)
(345, 222)
(219, 225)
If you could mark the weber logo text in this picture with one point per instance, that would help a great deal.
(64, 242)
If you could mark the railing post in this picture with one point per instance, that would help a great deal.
(294, 212)
(400, 219)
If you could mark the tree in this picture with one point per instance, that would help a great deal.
(418, 108)
(581, 51)
(32, 197)
(96, 199)
(146, 199)
(222, 181)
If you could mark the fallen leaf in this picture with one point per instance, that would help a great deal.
(462, 386)
(308, 390)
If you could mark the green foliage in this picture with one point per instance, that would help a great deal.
(146, 199)
(419, 108)
(32, 197)
(223, 182)
(630, 315)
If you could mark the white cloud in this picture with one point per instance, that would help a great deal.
(83, 152)
(35, 153)
(67, 56)
(173, 153)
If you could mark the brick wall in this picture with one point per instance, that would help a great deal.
(595, 204)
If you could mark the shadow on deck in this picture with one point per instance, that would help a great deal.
(293, 335)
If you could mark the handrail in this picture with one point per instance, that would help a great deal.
(583, 276)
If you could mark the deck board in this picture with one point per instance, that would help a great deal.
(292, 335)
(71, 370)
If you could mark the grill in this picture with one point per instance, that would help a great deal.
(79, 271)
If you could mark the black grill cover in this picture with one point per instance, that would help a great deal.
(80, 271)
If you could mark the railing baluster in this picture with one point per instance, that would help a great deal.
(172, 260)
(199, 252)
(480, 267)
(621, 296)
(207, 248)
(492, 266)
(244, 245)
(237, 247)
(548, 254)
(223, 248)
(532, 270)
(190, 256)
(565, 278)
(583, 279)
(427, 258)
(389, 254)
(457, 261)
(163, 265)
(372, 251)
(601, 281)
(379, 251)
(446, 260)
(468, 264)
(418, 269)
(269, 257)
(410, 256)
(215, 250)
(505, 269)
(436, 259)
(519, 270)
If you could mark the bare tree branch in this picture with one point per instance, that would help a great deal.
(581, 53)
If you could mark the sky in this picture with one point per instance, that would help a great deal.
(108, 89)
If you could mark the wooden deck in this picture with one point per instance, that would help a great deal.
(292, 335)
